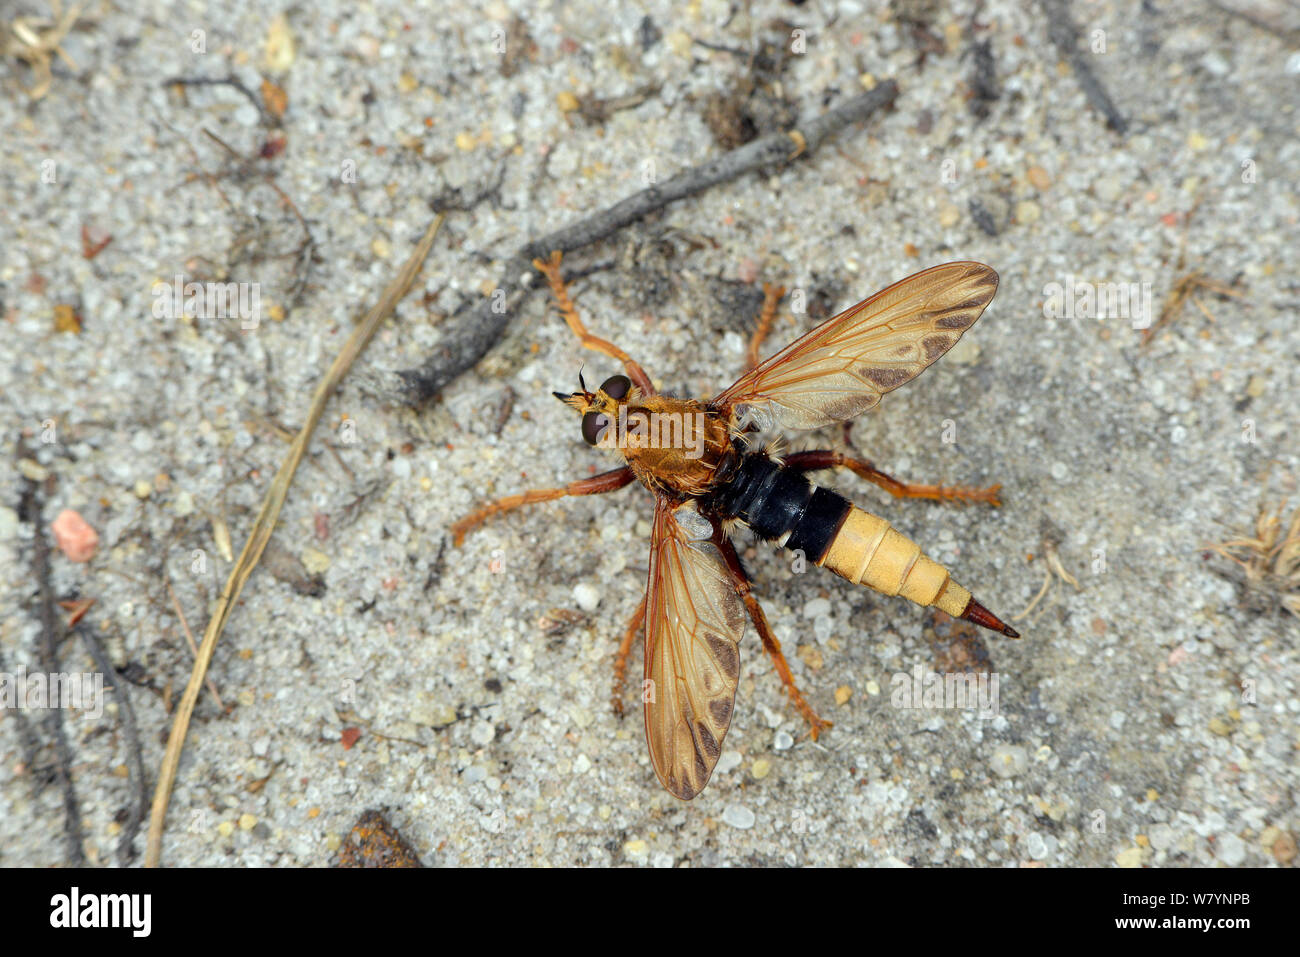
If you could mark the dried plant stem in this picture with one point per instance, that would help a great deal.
(264, 526)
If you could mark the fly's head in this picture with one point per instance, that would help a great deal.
(599, 409)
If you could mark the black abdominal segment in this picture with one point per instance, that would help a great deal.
(773, 500)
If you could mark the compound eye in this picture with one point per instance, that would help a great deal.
(593, 424)
(617, 386)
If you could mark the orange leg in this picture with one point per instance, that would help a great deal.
(771, 296)
(816, 725)
(625, 649)
(596, 485)
(551, 270)
(826, 459)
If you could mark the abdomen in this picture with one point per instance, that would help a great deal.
(782, 506)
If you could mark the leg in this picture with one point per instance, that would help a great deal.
(551, 270)
(596, 485)
(827, 459)
(625, 649)
(771, 296)
(770, 644)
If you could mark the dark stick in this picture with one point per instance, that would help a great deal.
(134, 759)
(1269, 20)
(473, 330)
(1063, 32)
(30, 742)
(231, 81)
(51, 633)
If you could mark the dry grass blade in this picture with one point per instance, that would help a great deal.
(36, 41)
(1270, 560)
(265, 525)
(1181, 291)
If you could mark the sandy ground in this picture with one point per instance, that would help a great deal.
(1147, 716)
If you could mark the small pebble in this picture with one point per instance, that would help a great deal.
(1009, 760)
(1231, 850)
(1109, 188)
(314, 560)
(1220, 727)
(739, 816)
(1027, 211)
(680, 42)
(761, 768)
(729, 761)
(74, 536)
(1162, 837)
(1284, 849)
(8, 523)
(1131, 857)
(587, 596)
(782, 741)
(816, 608)
(1215, 64)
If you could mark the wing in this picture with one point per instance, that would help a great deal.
(841, 369)
(694, 623)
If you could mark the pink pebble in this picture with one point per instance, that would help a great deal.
(74, 536)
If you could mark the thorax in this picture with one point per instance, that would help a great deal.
(676, 444)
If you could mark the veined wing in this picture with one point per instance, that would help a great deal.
(694, 623)
(841, 369)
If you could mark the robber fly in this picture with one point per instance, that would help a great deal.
(708, 472)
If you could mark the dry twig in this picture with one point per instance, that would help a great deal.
(131, 734)
(264, 526)
(1063, 32)
(472, 331)
(48, 654)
